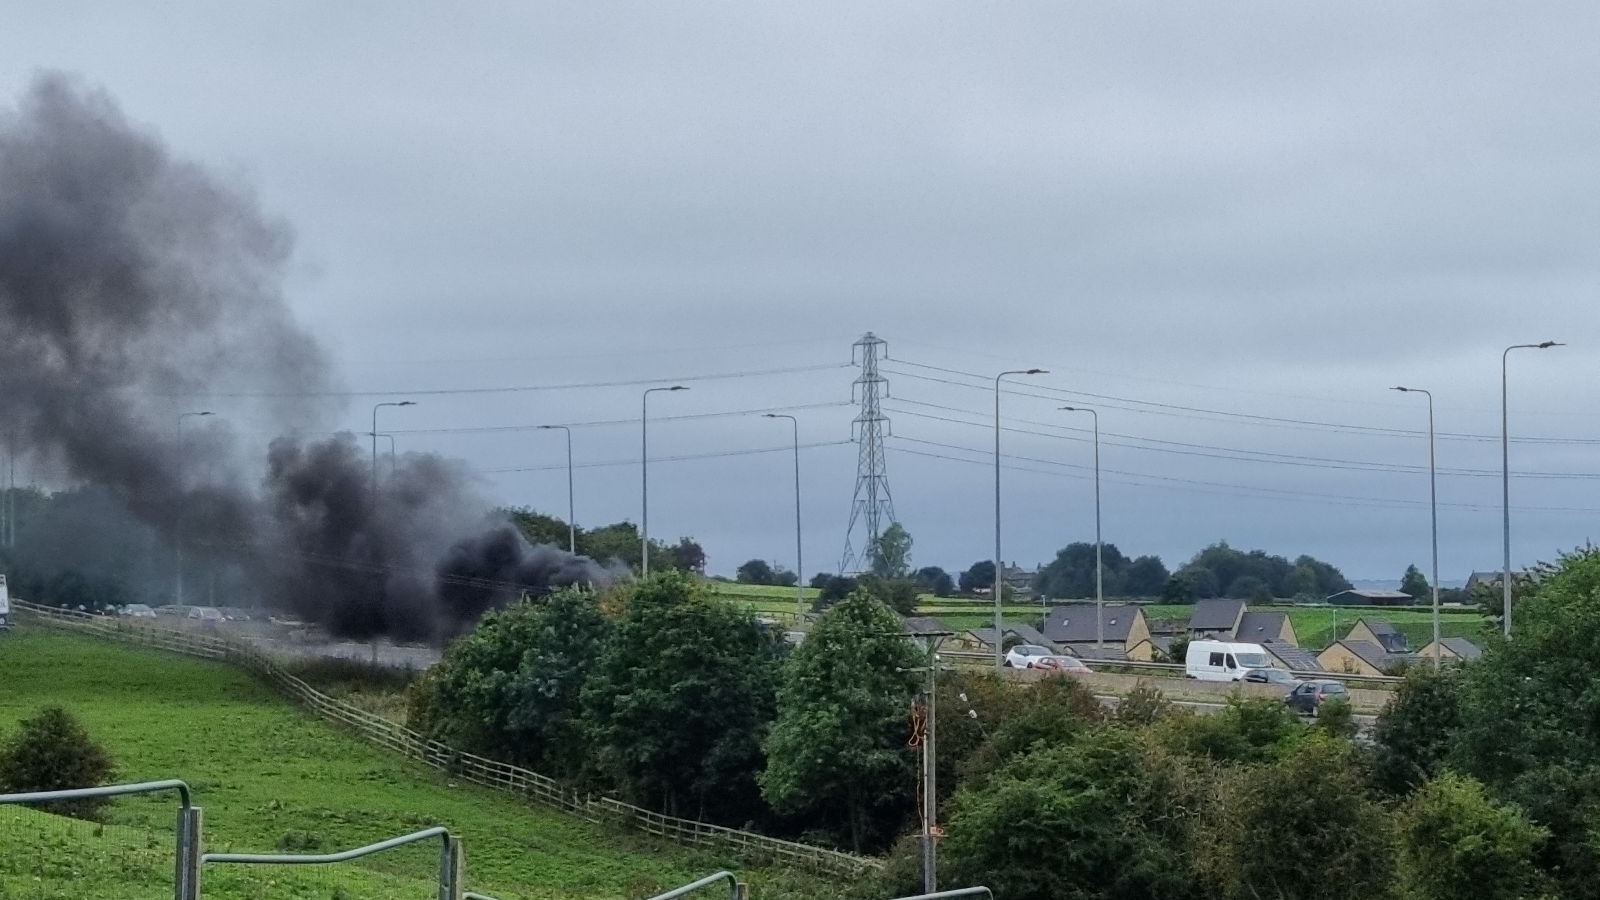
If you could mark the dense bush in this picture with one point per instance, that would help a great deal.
(51, 752)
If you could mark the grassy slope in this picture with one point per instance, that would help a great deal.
(263, 769)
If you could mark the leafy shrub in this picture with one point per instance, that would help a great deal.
(52, 752)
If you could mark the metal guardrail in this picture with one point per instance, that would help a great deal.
(709, 880)
(447, 856)
(959, 892)
(186, 875)
(1174, 669)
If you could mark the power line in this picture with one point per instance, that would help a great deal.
(787, 448)
(491, 429)
(511, 389)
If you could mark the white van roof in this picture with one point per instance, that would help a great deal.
(1229, 646)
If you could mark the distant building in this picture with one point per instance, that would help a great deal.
(1215, 618)
(1371, 598)
(1493, 579)
(983, 638)
(1295, 659)
(1266, 628)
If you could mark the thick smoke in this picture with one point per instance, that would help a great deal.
(136, 288)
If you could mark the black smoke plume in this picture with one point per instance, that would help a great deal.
(137, 289)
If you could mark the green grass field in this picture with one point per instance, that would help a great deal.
(271, 776)
(1318, 626)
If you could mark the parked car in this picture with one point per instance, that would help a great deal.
(1310, 695)
(1022, 655)
(1067, 665)
(1270, 675)
(208, 616)
(138, 611)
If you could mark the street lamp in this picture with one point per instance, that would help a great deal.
(390, 439)
(1433, 509)
(644, 471)
(1505, 480)
(375, 409)
(178, 525)
(572, 528)
(1099, 593)
(999, 567)
(799, 561)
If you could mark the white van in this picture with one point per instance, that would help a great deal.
(1223, 661)
(5, 604)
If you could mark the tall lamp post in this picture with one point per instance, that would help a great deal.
(644, 470)
(999, 567)
(1505, 481)
(390, 439)
(799, 561)
(572, 527)
(1099, 582)
(375, 409)
(178, 526)
(1433, 511)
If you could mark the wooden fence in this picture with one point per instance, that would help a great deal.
(460, 764)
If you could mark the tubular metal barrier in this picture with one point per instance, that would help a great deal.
(186, 874)
(959, 892)
(733, 887)
(447, 856)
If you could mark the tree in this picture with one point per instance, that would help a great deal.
(837, 753)
(899, 594)
(676, 705)
(755, 571)
(1247, 586)
(1456, 841)
(687, 556)
(979, 577)
(889, 556)
(510, 689)
(934, 580)
(1145, 577)
(52, 752)
(1413, 582)
(1416, 729)
(1300, 828)
(1080, 820)
(1071, 574)
(539, 528)
(832, 589)
(617, 542)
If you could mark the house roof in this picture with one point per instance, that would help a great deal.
(1260, 627)
(1090, 651)
(1298, 659)
(1028, 633)
(1076, 624)
(1378, 627)
(925, 625)
(1461, 647)
(1375, 594)
(1371, 654)
(1215, 615)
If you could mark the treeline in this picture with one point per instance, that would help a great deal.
(614, 544)
(1483, 779)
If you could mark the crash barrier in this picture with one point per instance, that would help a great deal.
(186, 870)
(958, 892)
(1172, 670)
(449, 857)
(479, 770)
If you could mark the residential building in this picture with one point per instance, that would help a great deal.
(1266, 628)
(1214, 619)
(983, 638)
(1360, 658)
(1380, 632)
(1451, 649)
(1295, 659)
(1073, 630)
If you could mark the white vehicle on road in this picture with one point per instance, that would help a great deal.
(1223, 661)
(1023, 656)
(5, 604)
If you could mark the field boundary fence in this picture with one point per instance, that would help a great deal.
(493, 774)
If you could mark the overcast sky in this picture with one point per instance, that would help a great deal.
(1230, 227)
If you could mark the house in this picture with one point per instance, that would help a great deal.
(1380, 632)
(1360, 658)
(1215, 618)
(926, 625)
(1492, 579)
(1266, 628)
(1451, 649)
(1295, 659)
(1074, 629)
(983, 638)
(1018, 579)
(1156, 648)
(1371, 598)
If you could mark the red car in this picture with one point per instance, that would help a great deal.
(1067, 665)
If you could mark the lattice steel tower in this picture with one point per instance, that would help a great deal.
(872, 507)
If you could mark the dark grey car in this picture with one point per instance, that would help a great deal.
(1308, 696)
